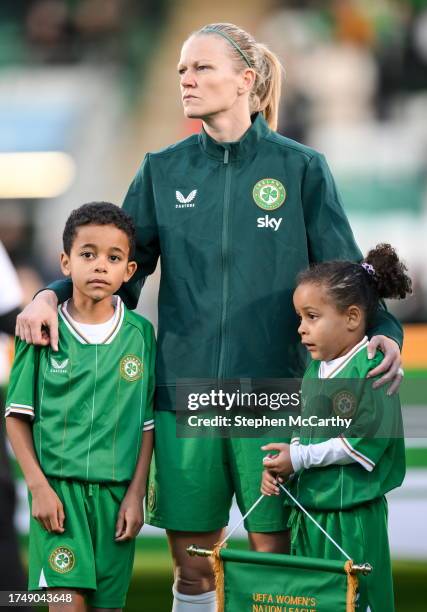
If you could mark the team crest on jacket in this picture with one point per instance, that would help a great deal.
(269, 194)
(131, 368)
(62, 560)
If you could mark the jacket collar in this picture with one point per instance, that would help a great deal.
(239, 149)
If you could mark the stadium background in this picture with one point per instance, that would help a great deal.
(88, 86)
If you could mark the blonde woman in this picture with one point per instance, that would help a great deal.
(234, 213)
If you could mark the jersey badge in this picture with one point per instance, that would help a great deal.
(131, 368)
(269, 194)
(62, 560)
(344, 404)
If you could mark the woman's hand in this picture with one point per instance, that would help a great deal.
(280, 463)
(130, 518)
(391, 364)
(38, 322)
(47, 508)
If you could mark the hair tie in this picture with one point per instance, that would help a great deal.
(369, 268)
(231, 41)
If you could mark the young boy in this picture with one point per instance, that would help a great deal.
(80, 420)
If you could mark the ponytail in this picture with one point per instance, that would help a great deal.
(265, 96)
(388, 272)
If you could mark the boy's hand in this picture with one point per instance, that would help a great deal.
(47, 509)
(130, 518)
(280, 463)
(268, 483)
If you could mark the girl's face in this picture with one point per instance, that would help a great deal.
(326, 332)
(210, 84)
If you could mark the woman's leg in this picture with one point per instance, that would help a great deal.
(275, 542)
(194, 585)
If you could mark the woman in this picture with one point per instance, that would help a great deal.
(235, 213)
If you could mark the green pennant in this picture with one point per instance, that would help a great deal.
(263, 582)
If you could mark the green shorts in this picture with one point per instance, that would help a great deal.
(193, 480)
(362, 534)
(85, 556)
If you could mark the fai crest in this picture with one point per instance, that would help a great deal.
(62, 560)
(131, 368)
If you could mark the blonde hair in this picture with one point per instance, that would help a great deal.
(246, 51)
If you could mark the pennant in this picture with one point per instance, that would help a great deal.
(248, 581)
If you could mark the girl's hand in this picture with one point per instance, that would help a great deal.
(391, 364)
(47, 509)
(268, 483)
(130, 518)
(280, 463)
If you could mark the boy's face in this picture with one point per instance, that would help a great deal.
(325, 331)
(98, 261)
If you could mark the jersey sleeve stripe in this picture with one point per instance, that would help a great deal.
(148, 427)
(364, 461)
(16, 408)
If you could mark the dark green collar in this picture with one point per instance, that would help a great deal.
(241, 148)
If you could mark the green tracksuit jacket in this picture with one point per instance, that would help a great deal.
(233, 224)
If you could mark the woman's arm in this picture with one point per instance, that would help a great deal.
(329, 237)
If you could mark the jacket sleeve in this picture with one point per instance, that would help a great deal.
(139, 204)
(329, 235)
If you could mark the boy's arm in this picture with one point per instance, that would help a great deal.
(46, 506)
(131, 514)
(20, 411)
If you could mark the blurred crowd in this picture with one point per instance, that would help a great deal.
(69, 31)
(348, 59)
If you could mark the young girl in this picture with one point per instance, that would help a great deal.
(342, 480)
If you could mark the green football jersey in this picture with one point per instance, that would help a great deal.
(373, 438)
(89, 403)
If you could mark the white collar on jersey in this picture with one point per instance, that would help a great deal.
(329, 369)
(109, 329)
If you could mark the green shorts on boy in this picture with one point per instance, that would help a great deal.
(89, 404)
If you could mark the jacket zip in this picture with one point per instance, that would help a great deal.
(224, 259)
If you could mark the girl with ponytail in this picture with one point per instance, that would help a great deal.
(235, 213)
(342, 477)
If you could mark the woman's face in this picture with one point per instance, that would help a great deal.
(209, 82)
